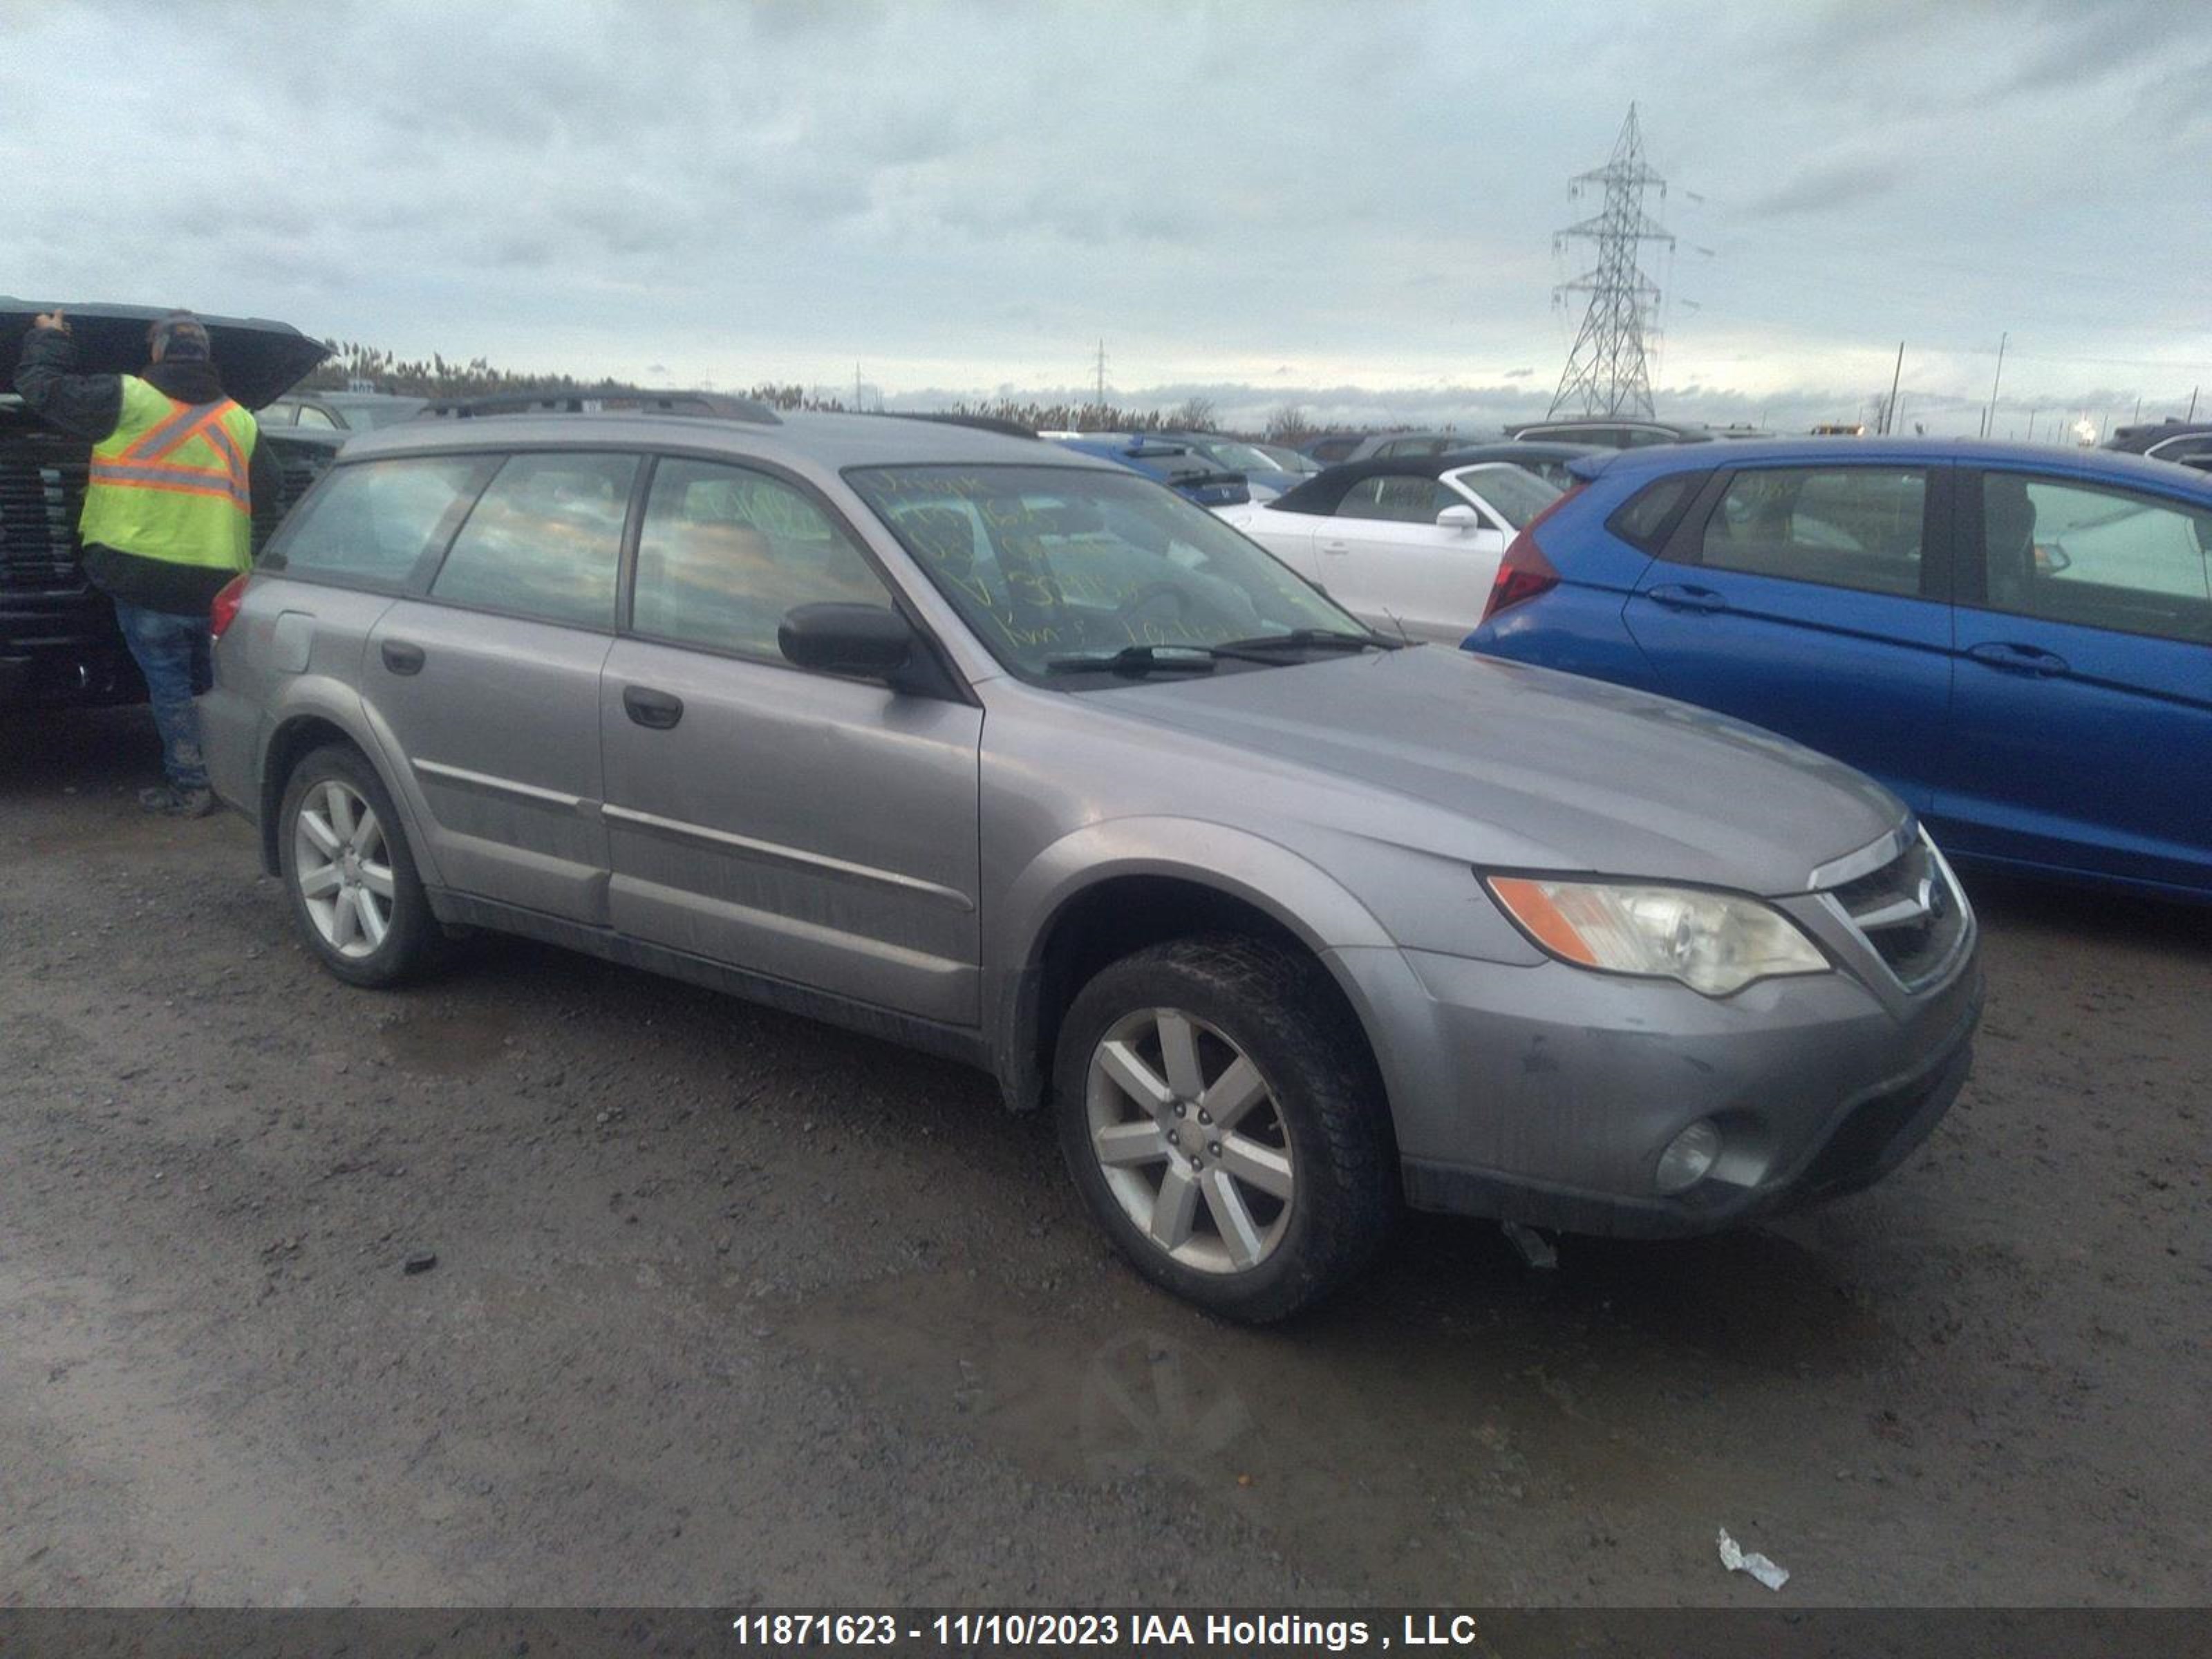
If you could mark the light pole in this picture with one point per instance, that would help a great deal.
(1989, 416)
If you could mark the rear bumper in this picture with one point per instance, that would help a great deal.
(230, 742)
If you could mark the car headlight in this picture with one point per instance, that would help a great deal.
(1714, 943)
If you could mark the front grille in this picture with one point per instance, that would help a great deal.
(42, 482)
(42, 478)
(1909, 911)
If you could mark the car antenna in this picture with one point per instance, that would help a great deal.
(1399, 626)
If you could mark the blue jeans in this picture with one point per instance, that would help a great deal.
(173, 654)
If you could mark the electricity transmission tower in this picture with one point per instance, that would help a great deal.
(1606, 372)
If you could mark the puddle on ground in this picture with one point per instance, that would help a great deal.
(1367, 1462)
(1383, 1442)
(443, 1045)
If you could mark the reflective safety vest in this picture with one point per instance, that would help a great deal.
(172, 482)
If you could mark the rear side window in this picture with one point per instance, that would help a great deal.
(1406, 499)
(2097, 558)
(545, 541)
(1857, 527)
(372, 524)
(1646, 517)
(725, 552)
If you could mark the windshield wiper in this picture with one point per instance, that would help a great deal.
(1314, 639)
(1136, 659)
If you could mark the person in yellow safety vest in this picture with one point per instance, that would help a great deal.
(176, 470)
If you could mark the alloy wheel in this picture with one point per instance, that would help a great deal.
(1190, 1139)
(343, 868)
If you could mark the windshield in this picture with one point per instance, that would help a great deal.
(1514, 493)
(1044, 563)
(1242, 458)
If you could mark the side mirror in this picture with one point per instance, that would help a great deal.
(870, 641)
(1458, 518)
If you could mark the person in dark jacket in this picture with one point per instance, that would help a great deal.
(177, 471)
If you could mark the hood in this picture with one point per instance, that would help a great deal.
(1500, 763)
(258, 361)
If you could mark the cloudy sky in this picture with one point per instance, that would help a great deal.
(1347, 206)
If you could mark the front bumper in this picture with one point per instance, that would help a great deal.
(61, 649)
(1546, 1095)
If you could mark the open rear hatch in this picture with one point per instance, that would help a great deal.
(259, 360)
(58, 643)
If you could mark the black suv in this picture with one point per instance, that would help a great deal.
(58, 642)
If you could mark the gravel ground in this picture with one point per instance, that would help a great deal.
(729, 1307)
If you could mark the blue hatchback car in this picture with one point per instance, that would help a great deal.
(2016, 640)
(1178, 465)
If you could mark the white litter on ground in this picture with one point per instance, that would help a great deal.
(1737, 1559)
(1535, 1249)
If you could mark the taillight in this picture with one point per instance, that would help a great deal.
(223, 610)
(1524, 572)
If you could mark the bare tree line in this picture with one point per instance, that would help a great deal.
(438, 376)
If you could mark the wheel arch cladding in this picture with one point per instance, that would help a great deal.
(292, 742)
(1116, 915)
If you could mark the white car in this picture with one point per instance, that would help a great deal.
(1410, 544)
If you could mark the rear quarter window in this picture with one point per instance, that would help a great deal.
(1648, 517)
(373, 523)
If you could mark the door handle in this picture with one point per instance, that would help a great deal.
(1336, 547)
(654, 710)
(2009, 658)
(402, 658)
(1681, 596)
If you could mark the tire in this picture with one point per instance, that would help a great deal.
(1300, 1138)
(345, 856)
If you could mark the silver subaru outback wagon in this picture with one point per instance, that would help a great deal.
(958, 738)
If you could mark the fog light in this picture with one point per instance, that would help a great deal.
(1687, 1157)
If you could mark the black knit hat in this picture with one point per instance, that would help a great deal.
(181, 337)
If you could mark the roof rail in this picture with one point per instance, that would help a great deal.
(712, 405)
(981, 422)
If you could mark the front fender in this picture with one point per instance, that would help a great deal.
(1279, 882)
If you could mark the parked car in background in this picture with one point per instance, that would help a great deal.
(1620, 432)
(1180, 467)
(1289, 459)
(1408, 545)
(1006, 754)
(340, 412)
(2188, 443)
(1548, 461)
(1331, 448)
(58, 641)
(1265, 478)
(2017, 640)
(1341, 447)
